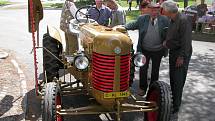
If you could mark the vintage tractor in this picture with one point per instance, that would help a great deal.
(101, 69)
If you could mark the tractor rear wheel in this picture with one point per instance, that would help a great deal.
(52, 99)
(160, 93)
(51, 64)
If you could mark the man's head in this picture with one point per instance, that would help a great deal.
(154, 9)
(99, 3)
(112, 4)
(144, 7)
(169, 8)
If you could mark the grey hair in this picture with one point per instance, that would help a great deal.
(170, 6)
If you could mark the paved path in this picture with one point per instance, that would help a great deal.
(198, 102)
(12, 105)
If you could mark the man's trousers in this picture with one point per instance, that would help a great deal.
(155, 57)
(177, 78)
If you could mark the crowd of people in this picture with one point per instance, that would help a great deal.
(163, 31)
(201, 14)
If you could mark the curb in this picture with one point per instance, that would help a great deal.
(22, 78)
(3, 54)
(15, 6)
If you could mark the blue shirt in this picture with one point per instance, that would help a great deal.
(105, 15)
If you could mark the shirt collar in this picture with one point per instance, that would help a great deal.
(103, 7)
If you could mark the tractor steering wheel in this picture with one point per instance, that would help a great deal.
(83, 12)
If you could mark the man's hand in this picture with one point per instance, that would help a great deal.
(179, 62)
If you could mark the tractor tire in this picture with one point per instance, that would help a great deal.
(51, 65)
(160, 93)
(52, 99)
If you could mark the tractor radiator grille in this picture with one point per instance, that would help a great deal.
(124, 72)
(103, 72)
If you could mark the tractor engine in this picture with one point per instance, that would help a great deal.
(109, 52)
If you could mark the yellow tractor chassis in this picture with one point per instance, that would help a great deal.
(133, 105)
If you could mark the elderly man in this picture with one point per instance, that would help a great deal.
(178, 41)
(118, 14)
(151, 36)
(105, 13)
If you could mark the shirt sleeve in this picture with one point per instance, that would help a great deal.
(107, 16)
(121, 18)
(132, 25)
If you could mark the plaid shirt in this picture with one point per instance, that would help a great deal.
(105, 15)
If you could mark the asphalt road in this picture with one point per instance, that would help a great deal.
(198, 99)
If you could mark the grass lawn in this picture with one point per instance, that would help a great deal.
(132, 15)
(4, 2)
(124, 3)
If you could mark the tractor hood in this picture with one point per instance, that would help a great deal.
(105, 40)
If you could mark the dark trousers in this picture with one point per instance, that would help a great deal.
(155, 57)
(177, 78)
(129, 6)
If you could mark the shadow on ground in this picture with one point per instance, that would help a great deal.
(33, 112)
(5, 105)
(198, 97)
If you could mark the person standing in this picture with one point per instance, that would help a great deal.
(137, 3)
(67, 14)
(105, 13)
(129, 4)
(179, 43)
(152, 32)
(118, 14)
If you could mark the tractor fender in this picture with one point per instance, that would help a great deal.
(57, 34)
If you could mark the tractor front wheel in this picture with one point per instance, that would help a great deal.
(160, 93)
(52, 99)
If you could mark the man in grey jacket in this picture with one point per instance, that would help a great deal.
(152, 32)
(179, 42)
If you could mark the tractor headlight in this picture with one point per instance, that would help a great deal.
(81, 62)
(139, 60)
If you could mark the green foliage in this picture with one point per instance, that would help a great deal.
(57, 5)
(4, 2)
(82, 3)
